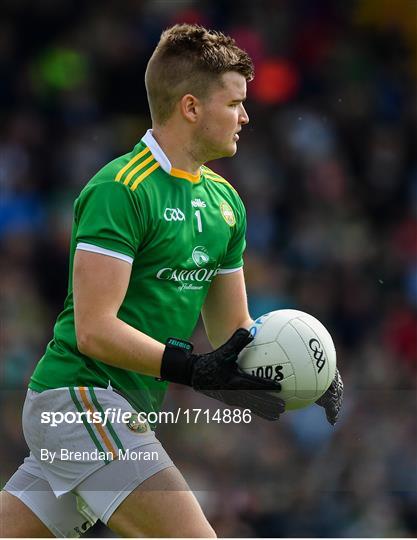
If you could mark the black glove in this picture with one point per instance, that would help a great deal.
(332, 399)
(218, 375)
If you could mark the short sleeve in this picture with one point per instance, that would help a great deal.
(109, 216)
(237, 243)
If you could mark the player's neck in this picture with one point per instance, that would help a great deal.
(176, 149)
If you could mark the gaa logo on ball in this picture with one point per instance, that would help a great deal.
(295, 349)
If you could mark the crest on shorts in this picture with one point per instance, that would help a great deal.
(227, 213)
(135, 424)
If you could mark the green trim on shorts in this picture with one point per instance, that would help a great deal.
(86, 424)
(109, 426)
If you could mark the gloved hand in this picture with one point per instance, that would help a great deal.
(217, 375)
(332, 399)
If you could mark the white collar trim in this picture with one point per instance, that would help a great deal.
(157, 151)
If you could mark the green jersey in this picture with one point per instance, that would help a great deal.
(178, 231)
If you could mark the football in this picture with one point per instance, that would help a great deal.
(295, 349)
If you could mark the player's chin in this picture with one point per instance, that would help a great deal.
(228, 150)
(231, 149)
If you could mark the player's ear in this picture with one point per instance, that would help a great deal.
(189, 107)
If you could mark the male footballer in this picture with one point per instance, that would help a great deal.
(157, 239)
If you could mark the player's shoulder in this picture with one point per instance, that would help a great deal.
(212, 176)
(224, 188)
(128, 171)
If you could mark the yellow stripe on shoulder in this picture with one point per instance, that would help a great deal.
(134, 171)
(144, 175)
(211, 175)
(130, 163)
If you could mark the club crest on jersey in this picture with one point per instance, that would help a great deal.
(227, 214)
(200, 256)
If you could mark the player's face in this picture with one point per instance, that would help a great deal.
(223, 116)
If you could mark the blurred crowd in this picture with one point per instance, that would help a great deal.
(328, 172)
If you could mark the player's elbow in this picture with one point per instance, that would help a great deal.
(87, 338)
(85, 342)
(95, 333)
(92, 335)
(84, 332)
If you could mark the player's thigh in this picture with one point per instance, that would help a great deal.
(18, 521)
(28, 507)
(162, 506)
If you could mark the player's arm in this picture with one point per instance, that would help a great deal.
(226, 307)
(100, 283)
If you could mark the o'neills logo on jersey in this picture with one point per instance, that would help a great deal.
(198, 203)
(190, 279)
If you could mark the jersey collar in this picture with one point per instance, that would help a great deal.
(163, 160)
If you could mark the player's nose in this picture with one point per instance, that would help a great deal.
(243, 116)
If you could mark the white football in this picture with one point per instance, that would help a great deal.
(293, 348)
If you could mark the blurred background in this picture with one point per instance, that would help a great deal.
(327, 169)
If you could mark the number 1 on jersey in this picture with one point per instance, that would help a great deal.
(197, 214)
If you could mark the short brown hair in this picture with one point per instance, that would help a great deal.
(188, 59)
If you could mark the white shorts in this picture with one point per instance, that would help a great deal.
(80, 471)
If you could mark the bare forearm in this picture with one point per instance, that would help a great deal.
(226, 307)
(220, 334)
(114, 342)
